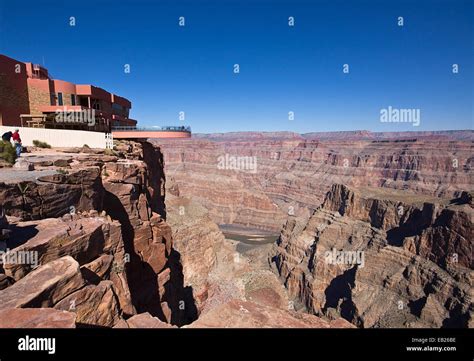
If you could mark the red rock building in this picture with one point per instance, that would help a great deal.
(30, 98)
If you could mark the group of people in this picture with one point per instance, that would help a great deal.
(15, 137)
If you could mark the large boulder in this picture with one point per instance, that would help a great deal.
(23, 164)
(243, 314)
(82, 238)
(99, 269)
(45, 286)
(54, 195)
(93, 305)
(142, 320)
(36, 318)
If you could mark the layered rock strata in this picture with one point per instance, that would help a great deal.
(230, 289)
(90, 234)
(259, 179)
(382, 258)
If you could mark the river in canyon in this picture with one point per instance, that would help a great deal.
(255, 244)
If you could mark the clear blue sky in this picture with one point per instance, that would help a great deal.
(282, 68)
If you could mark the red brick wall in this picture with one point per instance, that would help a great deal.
(13, 91)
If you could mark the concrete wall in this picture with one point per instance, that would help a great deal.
(60, 137)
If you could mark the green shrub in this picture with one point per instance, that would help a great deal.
(40, 144)
(62, 171)
(7, 152)
(108, 151)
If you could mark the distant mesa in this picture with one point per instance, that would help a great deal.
(152, 132)
(341, 135)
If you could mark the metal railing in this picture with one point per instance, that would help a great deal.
(170, 128)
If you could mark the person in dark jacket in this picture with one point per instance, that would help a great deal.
(6, 137)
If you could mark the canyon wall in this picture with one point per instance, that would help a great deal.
(374, 233)
(97, 226)
(292, 172)
(401, 201)
(382, 258)
(87, 244)
(229, 288)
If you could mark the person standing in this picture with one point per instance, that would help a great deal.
(6, 137)
(17, 141)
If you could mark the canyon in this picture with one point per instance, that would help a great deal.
(140, 236)
(294, 171)
(109, 252)
(417, 265)
(401, 200)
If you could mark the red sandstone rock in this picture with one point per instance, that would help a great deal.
(36, 318)
(93, 305)
(5, 281)
(83, 239)
(142, 320)
(44, 286)
(99, 268)
(416, 262)
(128, 243)
(241, 314)
(54, 195)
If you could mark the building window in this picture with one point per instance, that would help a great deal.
(73, 99)
(60, 98)
(53, 99)
(96, 104)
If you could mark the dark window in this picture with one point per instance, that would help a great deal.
(60, 98)
(96, 104)
(53, 99)
(73, 99)
(84, 102)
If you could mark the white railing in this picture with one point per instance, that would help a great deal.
(62, 137)
(109, 140)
